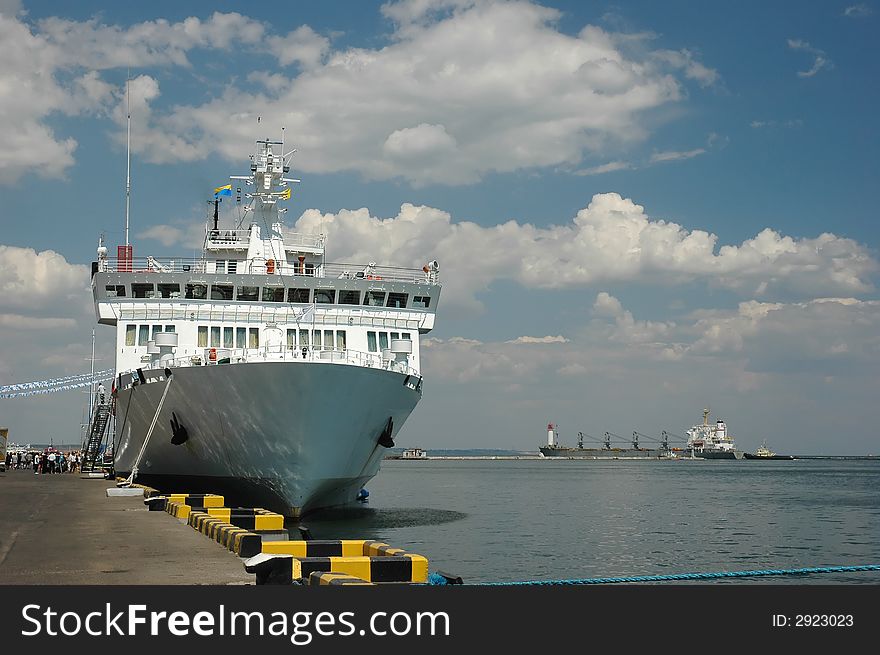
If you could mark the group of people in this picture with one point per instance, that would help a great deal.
(49, 461)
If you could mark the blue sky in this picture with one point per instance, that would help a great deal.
(656, 124)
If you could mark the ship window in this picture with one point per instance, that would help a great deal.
(221, 266)
(156, 330)
(421, 302)
(143, 335)
(340, 339)
(273, 294)
(116, 291)
(310, 269)
(328, 339)
(203, 336)
(303, 337)
(291, 339)
(298, 295)
(169, 290)
(248, 293)
(221, 292)
(241, 337)
(130, 334)
(326, 296)
(405, 335)
(169, 328)
(254, 338)
(141, 290)
(396, 300)
(232, 267)
(349, 297)
(383, 340)
(215, 336)
(196, 291)
(227, 337)
(374, 298)
(372, 345)
(316, 338)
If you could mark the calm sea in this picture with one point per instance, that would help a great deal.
(510, 520)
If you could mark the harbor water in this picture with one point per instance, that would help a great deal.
(513, 520)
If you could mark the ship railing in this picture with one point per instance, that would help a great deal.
(262, 266)
(300, 239)
(283, 353)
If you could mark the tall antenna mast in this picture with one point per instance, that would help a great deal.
(128, 155)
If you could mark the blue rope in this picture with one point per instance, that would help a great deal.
(435, 579)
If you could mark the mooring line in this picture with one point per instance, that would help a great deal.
(436, 579)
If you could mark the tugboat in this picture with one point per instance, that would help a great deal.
(765, 453)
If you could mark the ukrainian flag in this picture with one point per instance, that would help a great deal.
(223, 190)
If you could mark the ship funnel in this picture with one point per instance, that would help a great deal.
(551, 435)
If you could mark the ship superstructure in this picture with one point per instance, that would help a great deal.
(258, 366)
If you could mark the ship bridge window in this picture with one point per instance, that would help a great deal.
(143, 335)
(349, 297)
(273, 294)
(130, 334)
(221, 292)
(396, 300)
(116, 291)
(374, 298)
(298, 295)
(421, 302)
(196, 291)
(169, 290)
(325, 296)
(248, 293)
(203, 336)
(215, 336)
(227, 337)
(372, 346)
(240, 337)
(253, 338)
(340, 339)
(143, 290)
(383, 340)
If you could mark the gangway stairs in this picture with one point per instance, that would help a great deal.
(100, 420)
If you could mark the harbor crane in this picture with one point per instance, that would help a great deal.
(666, 434)
(581, 436)
(608, 436)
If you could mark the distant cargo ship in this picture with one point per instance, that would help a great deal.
(554, 449)
(711, 441)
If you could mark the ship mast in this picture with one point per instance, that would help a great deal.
(128, 156)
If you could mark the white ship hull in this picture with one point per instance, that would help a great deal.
(288, 436)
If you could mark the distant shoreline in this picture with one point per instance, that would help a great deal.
(531, 456)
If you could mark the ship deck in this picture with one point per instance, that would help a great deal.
(64, 530)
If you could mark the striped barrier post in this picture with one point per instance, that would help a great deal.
(317, 578)
(284, 569)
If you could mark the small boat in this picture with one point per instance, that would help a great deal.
(765, 453)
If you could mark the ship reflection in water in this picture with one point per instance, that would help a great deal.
(356, 521)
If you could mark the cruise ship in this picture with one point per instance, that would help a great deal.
(258, 369)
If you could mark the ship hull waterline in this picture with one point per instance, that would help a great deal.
(289, 437)
(605, 453)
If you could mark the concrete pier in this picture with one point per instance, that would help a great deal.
(63, 530)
